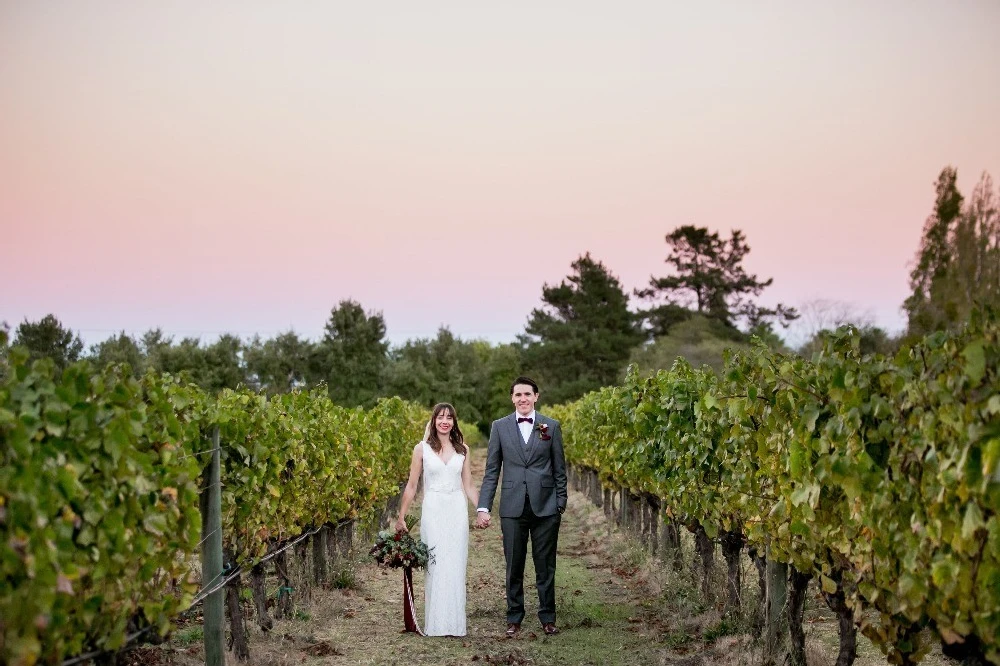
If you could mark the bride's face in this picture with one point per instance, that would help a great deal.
(444, 423)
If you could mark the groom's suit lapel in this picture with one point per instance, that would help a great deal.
(515, 434)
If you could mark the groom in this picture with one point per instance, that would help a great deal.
(529, 448)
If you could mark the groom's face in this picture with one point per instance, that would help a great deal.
(524, 398)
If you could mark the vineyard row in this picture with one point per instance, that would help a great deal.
(103, 476)
(877, 477)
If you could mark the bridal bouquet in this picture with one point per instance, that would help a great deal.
(398, 549)
(395, 550)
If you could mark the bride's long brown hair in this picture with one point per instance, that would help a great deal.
(455, 436)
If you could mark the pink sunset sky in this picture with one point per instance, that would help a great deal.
(243, 166)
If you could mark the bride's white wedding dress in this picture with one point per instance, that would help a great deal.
(444, 526)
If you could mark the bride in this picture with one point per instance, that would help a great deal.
(444, 519)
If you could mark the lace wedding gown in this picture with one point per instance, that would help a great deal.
(444, 526)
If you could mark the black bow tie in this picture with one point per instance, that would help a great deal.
(525, 418)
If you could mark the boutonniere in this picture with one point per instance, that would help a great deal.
(543, 431)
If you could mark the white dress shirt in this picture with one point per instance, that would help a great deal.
(524, 426)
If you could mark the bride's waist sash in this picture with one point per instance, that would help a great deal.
(442, 490)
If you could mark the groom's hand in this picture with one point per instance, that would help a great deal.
(482, 520)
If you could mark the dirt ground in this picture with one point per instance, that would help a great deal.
(615, 605)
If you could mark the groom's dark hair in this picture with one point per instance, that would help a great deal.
(524, 380)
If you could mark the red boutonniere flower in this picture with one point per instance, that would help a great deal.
(543, 431)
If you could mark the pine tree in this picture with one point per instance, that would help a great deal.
(708, 278)
(582, 338)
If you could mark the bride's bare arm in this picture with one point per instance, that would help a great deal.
(470, 491)
(416, 465)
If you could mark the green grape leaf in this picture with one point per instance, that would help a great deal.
(975, 361)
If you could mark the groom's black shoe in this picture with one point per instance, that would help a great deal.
(550, 629)
(513, 629)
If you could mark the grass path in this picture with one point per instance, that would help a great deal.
(596, 612)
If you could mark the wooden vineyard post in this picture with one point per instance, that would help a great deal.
(776, 621)
(211, 559)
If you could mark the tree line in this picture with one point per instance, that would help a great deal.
(579, 339)
(587, 330)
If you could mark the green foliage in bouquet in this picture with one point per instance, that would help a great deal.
(393, 550)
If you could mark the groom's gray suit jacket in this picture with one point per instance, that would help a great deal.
(536, 470)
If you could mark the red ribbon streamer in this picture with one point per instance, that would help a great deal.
(409, 613)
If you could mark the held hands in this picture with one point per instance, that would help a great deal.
(482, 520)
